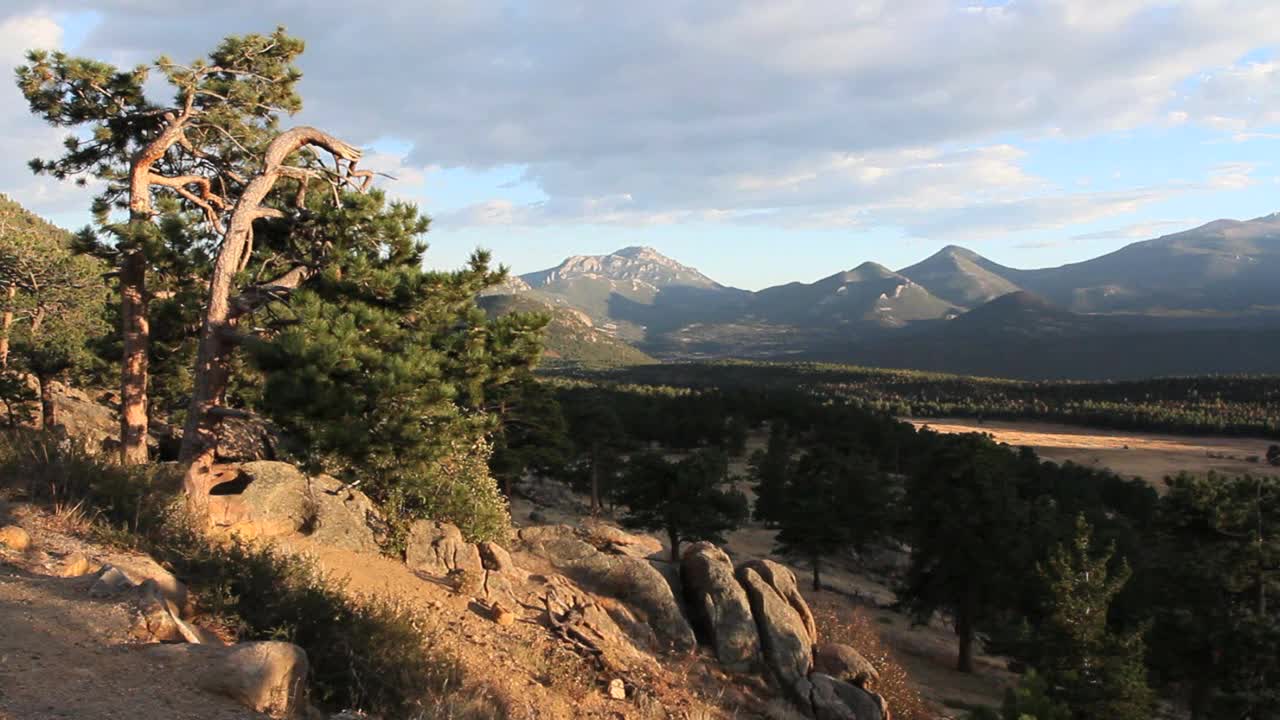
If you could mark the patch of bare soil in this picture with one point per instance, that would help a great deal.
(1148, 456)
(66, 655)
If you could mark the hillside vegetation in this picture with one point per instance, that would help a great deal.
(1233, 405)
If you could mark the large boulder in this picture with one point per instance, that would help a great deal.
(643, 588)
(278, 499)
(783, 582)
(719, 606)
(249, 439)
(579, 619)
(784, 636)
(557, 544)
(438, 548)
(266, 677)
(832, 699)
(630, 580)
(89, 422)
(844, 663)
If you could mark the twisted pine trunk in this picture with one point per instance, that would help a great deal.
(218, 337)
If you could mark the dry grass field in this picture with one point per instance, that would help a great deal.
(1149, 456)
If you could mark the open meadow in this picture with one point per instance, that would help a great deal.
(1149, 456)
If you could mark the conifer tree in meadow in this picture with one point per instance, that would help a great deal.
(688, 499)
(833, 501)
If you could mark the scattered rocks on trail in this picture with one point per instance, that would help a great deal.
(502, 615)
(277, 499)
(14, 538)
(156, 619)
(719, 606)
(617, 689)
(267, 677)
(74, 565)
(110, 583)
(131, 571)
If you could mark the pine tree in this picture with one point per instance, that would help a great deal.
(532, 435)
(382, 368)
(1214, 576)
(968, 541)
(1031, 700)
(172, 166)
(832, 502)
(688, 500)
(1089, 668)
(598, 434)
(771, 470)
(52, 307)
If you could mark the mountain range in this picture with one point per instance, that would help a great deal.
(1206, 300)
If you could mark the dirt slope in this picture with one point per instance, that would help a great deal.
(65, 655)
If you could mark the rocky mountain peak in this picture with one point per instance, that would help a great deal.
(635, 264)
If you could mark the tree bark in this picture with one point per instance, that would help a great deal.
(48, 413)
(6, 324)
(136, 333)
(134, 319)
(674, 537)
(217, 331)
(817, 573)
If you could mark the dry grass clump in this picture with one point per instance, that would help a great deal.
(857, 630)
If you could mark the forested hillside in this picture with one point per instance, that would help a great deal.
(1239, 405)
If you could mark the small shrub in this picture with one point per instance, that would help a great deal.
(54, 471)
(858, 631)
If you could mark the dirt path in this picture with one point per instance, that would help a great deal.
(64, 655)
(1148, 456)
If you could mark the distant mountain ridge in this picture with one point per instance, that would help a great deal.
(962, 277)
(1222, 278)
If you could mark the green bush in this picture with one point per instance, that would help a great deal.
(52, 470)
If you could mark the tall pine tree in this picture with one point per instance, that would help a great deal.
(174, 166)
(383, 368)
(1092, 670)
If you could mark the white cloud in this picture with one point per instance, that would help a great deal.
(1241, 98)
(826, 112)
(1233, 176)
(22, 136)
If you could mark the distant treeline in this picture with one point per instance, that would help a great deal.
(1230, 405)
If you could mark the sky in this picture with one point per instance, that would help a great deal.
(759, 141)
